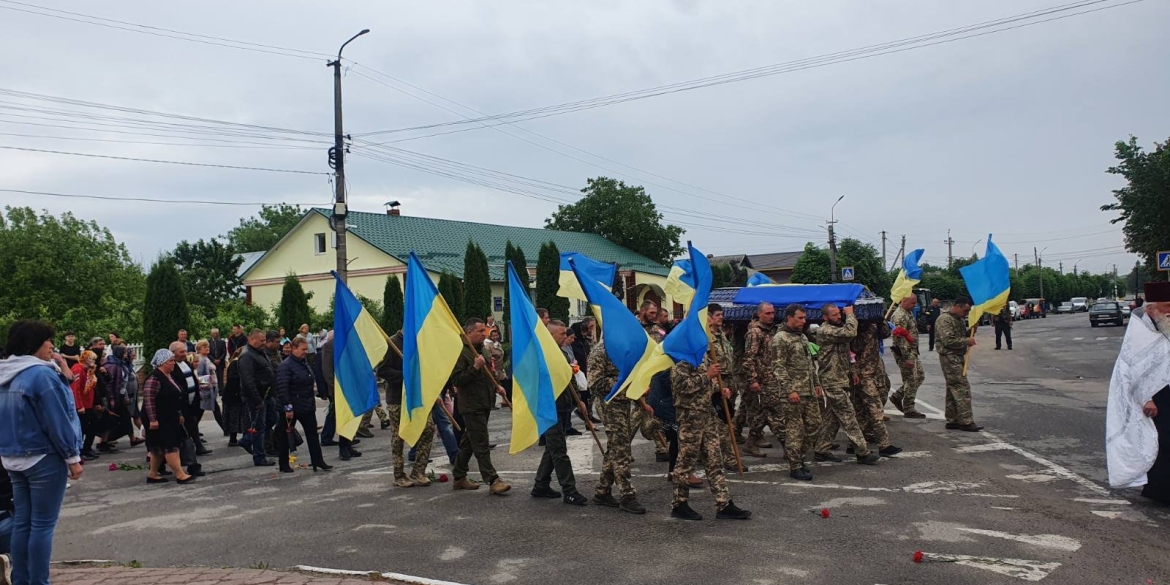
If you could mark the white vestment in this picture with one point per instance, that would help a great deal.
(1142, 369)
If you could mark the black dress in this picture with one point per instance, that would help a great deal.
(235, 416)
(164, 404)
(1158, 477)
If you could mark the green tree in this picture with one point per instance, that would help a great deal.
(210, 273)
(229, 313)
(393, 305)
(69, 272)
(622, 214)
(813, 266)
(548, 274)
(263, 231)
(515, 255)
(1144, 202)
(165, 308)
(721, 275)
(452, 291)
(294, 306)
(477, 286)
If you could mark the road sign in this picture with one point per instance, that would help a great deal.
(1164, 261)
(847, 273)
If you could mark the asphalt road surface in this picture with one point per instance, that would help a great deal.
(1024, 500)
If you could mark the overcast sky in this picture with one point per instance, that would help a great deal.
(1008, 133)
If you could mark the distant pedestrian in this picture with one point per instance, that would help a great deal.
(1003, 327)
(235, 416)
(932, 315)
(185, 341)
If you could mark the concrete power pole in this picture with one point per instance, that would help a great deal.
(1061, 265)
(1017, 264)
(833, 242)
(950, 249)
(1040, 270)
(340, 208)
(883, 247)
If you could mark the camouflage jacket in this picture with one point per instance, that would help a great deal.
(950, 334)
(654, 331)
(725, 357)
(691, 388)
(836, 369)
(903, 346)
(602, 373)
(793, 367)
(758, 355)
(865, 347)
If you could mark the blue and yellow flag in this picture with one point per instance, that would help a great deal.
(759, 279)
(603, 272)
(540, 370)
(359, 344)
(680, 283)
(626, 342)
(687, 342)
(432, 341)
(910, 275)
(989, 282)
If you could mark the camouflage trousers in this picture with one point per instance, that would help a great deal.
(368, 417)
(804, 422)
(397, 445)
(912, 377)
(867, 404)
(958, 407)
(722, 432)
(618, 417)
(768, 410)
(840, 415)
(651, 429)
(698, 439)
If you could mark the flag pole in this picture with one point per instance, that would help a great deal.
(585, 415)
(726, 413)
(442, 404)
(967, 356)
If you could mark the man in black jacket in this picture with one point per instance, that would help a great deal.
(390, 379)
(257, 379)
(556, 453)
(295, 395)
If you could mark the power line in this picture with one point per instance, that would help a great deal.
(170, 162)
(154, 200)
(202, 145)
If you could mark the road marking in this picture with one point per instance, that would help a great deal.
(1106, 501)
(367, 574)
(1110, 514)
(1056, 339)
(1052, 467)
(580, 450)
(1034, 477)
(912, 455)
(982, 448)
(1078, 338)
(1018, 568)
(1102, 338)
(1045, 540)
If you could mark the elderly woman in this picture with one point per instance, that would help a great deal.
(87, 401)
(296, 395)
(40, 445)
(162, 413)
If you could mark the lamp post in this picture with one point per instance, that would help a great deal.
(833, 241)
(340, 209)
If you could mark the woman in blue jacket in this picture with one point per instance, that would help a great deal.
(40, 445)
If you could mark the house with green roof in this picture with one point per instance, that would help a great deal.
(379, 244)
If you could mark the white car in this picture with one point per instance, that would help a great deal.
(1080, 304)
(1014, 307)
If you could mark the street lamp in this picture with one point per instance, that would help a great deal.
(340, 209)
(833, 209)
(833, 241)
(975, 244)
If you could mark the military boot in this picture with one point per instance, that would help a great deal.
(683, 511)
(896, 400)
(732, 512)
(606, 500)
(499, 487)
(751, 449)
(402, 482)
(632, 506)
(464, 484)
(868, 459)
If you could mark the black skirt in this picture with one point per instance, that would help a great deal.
(170, 434)
(1158, 477)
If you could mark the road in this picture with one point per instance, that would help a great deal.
(1022, 501)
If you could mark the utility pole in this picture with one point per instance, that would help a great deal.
(337, 158)
(1040, 270)
(883, 247)
(1061, 264)
(950, 249)
(1115, 282)
(901, 255)
(833, 242)
(1017, 264)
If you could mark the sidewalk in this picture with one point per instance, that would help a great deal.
(120, 575)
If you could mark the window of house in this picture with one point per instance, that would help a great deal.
(498, 304)
(319, 243)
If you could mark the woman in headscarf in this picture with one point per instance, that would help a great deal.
(84, 393)
(119, 373)
(162, 411)
(235, 416)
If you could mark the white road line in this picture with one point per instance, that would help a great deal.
(1056, 339)
(367, 574)
(982, 448)
(1018, 568)
(1058, 470)
(1110, 514)
(1078, 338)
(1102, 338)
(1045, 540)
(1107, 501)
(580, 450)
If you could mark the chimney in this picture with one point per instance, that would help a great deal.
(392, 208)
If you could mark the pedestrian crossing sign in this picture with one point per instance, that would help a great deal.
(1164, 261)
(847, 273)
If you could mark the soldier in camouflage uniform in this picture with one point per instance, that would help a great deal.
(390, 383)
(952, 343)
(795, 374)
(909, 361)
(729, 370)
(872, 379)
(693, 389)
(650, 427)
(836, 376)
(618, 416)
(764, 402)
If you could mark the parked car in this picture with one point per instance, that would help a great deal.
(1080, 304)
(1065, 307)
(1015, 309)
(1106, 312)
(1126, 310)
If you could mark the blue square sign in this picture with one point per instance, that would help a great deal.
(1164, 260)
(847, 273)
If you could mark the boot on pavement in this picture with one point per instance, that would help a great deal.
(751, 450)
(970, 428)
(803, 474)
(868, 459)
(913, 414)
(827, 456)
(421, 480)
(632, 506)
(732, 512)
(606, 500)
(500, 487)
(683, 511)
(762, 443)
(464, 484)
(402, 482)
(896, 400)
(889, 451)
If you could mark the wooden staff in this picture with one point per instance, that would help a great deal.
(967, 356)
(585, 415)
(726, 412)
(487, 374)
(442, 404)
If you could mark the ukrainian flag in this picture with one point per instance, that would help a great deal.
(989, 282)
(687, 342)
(626, 342)
(359, 344)
(432, 342)
(680, 283)
(603, 272)
(910, 275)
(759, 279)
(540, 371)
